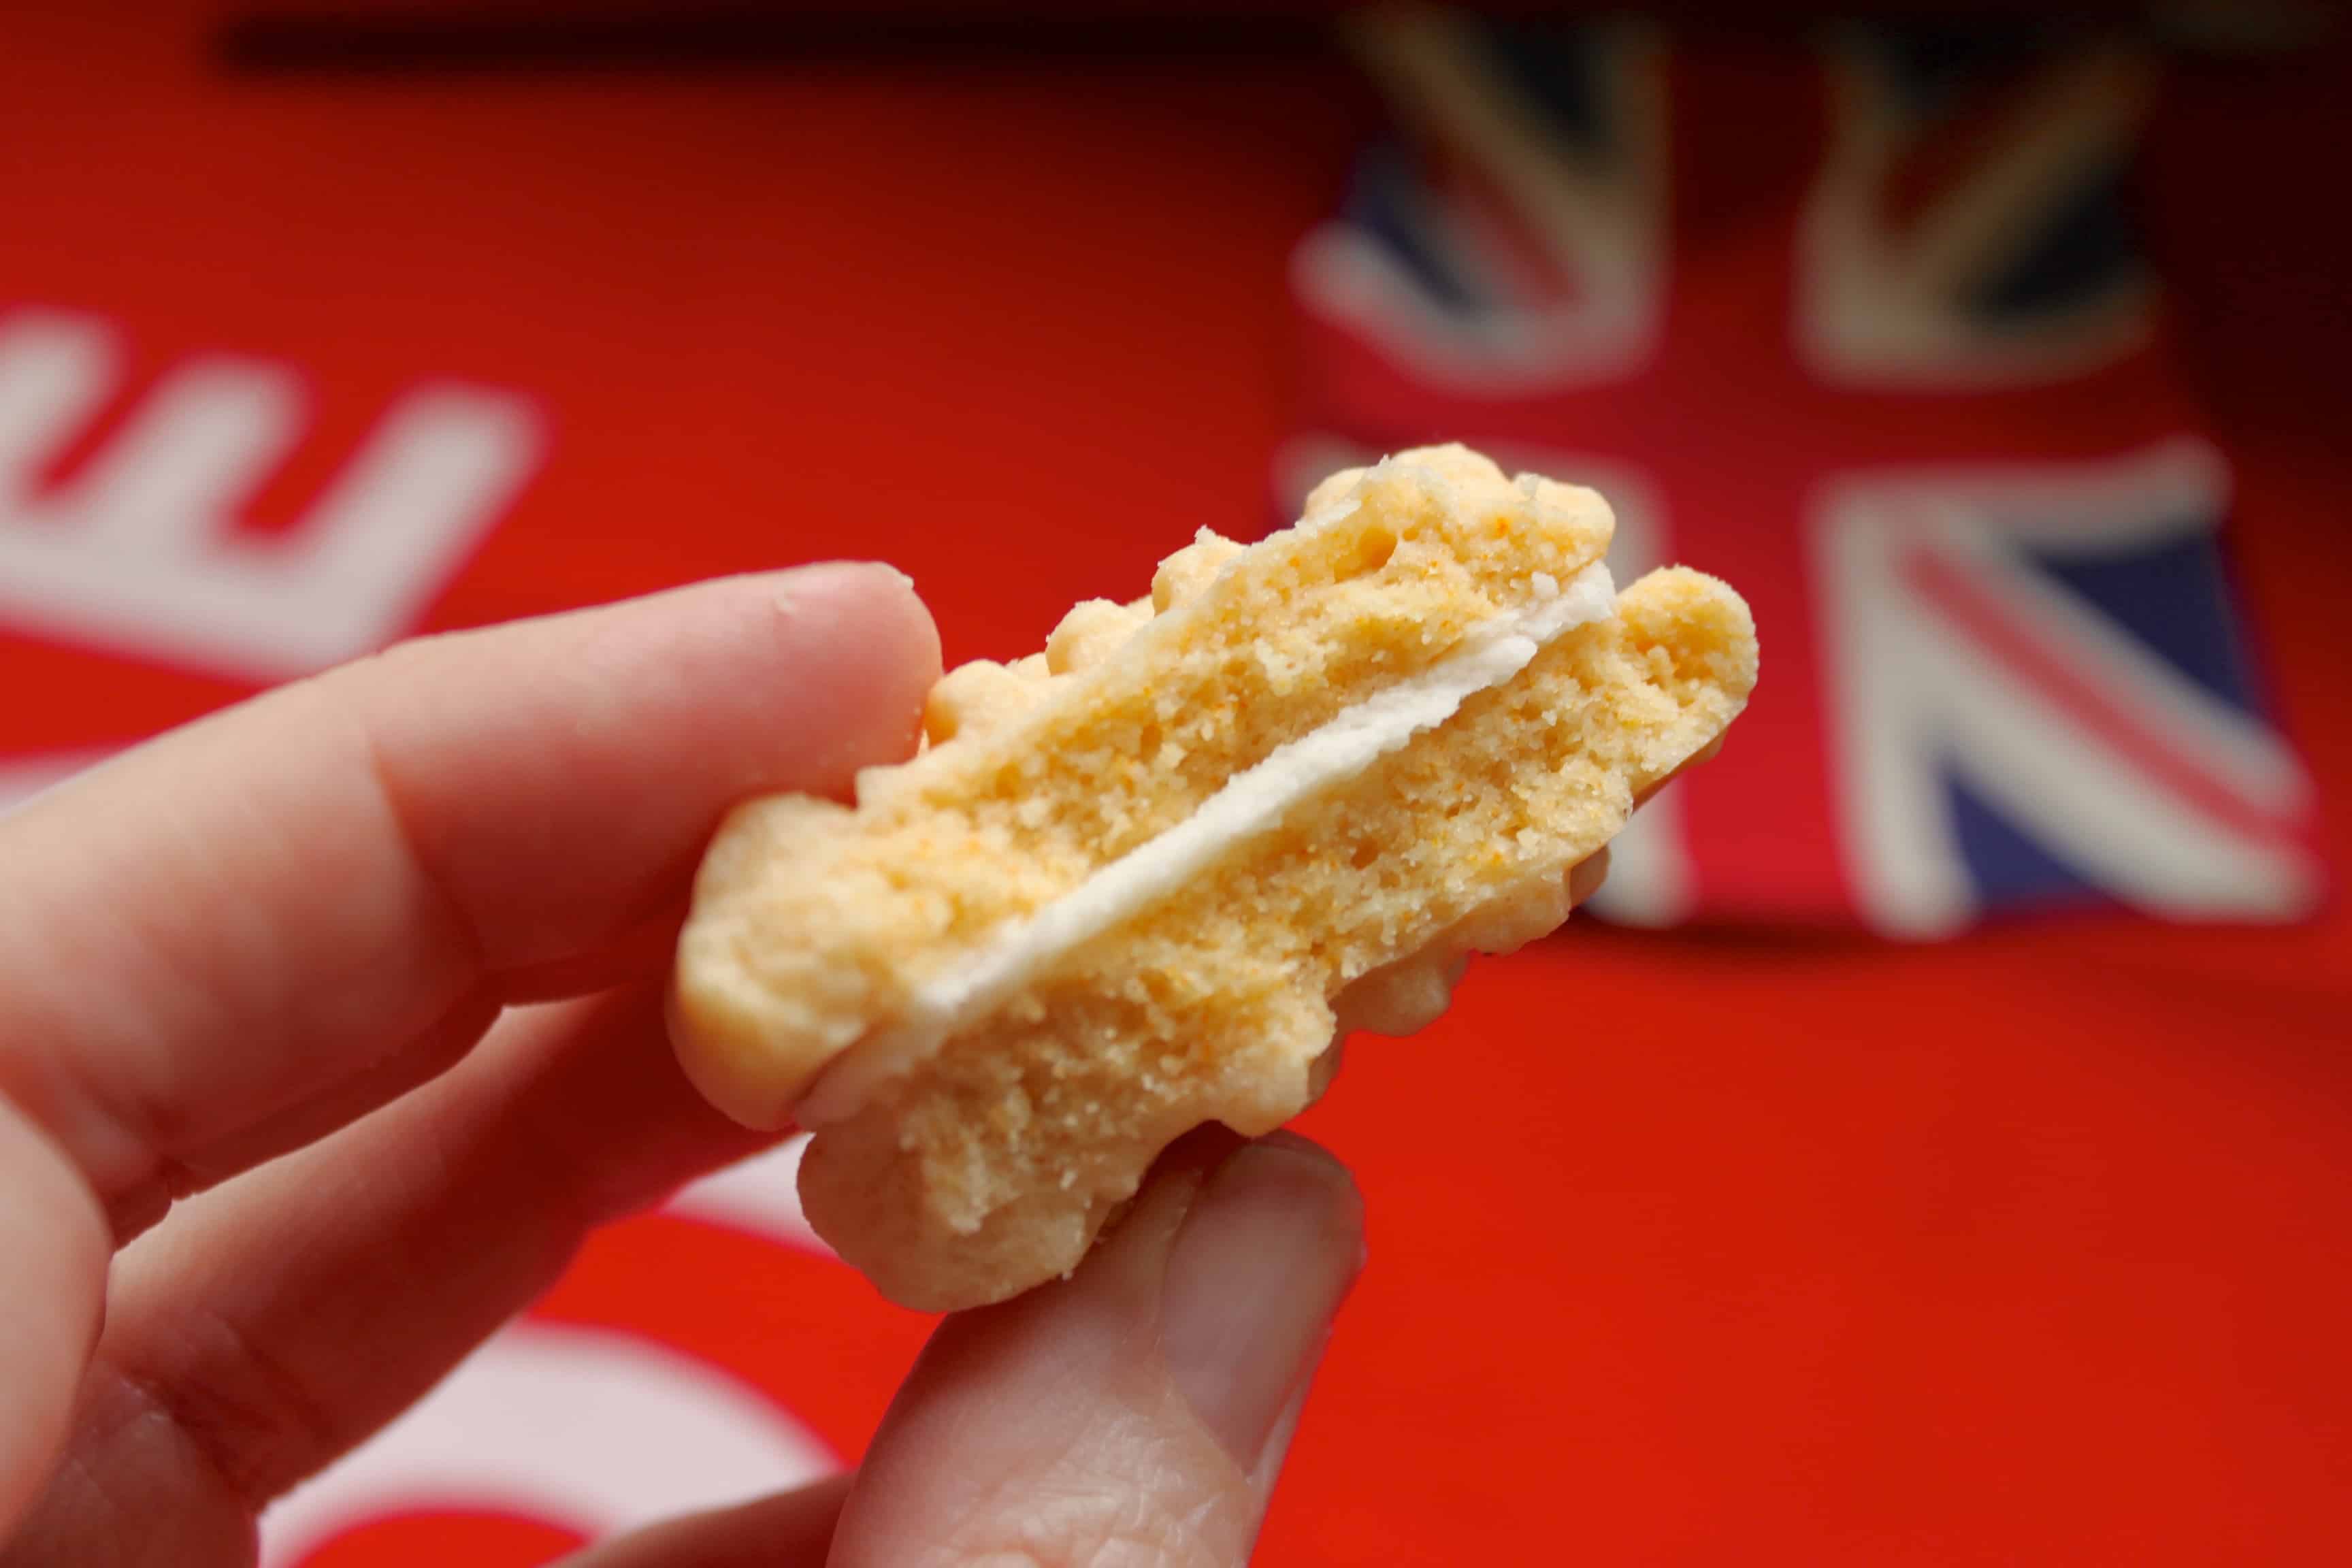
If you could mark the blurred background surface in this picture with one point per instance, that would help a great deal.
(1941, 1150)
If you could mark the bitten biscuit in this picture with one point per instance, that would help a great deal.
(1137, 882)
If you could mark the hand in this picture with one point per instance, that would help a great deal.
(408, 926)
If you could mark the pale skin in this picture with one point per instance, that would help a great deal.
(330, 1024)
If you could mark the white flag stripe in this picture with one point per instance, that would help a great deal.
(590, 1429)
(2225, 741)
(2160, 495)
(1901, 857)
(1343, 273)
(1913, 702)
(1605, 218)
(2171, 493)
(2138, 841)
(1883, 303)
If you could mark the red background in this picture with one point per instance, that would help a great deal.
(1729, 1246)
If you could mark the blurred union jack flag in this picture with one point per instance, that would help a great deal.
(1874, 341)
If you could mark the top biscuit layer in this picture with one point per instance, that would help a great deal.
(813, 922)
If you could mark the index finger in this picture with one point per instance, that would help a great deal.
(226, 922)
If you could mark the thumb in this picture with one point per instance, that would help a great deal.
(1138, 1411)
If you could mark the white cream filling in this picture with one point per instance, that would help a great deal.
(1252, 801)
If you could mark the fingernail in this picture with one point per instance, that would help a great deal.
(882, 570)
(1264, 1257)
(829, 579)
(1278, 1442)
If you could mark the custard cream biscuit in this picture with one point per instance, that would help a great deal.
(1140, 882)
